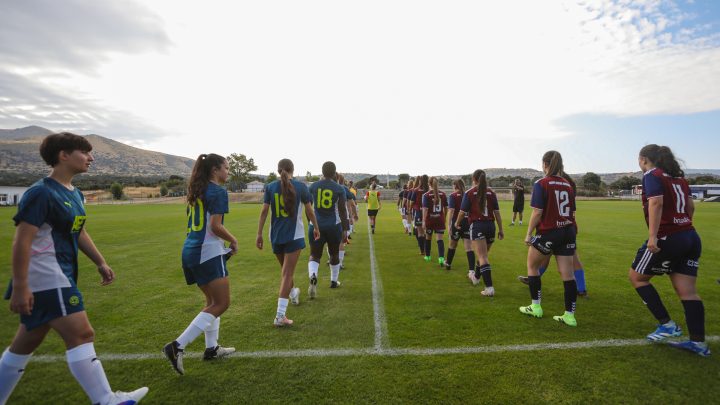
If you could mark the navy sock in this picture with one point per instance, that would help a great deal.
(471, 259)
(441, 248)
(421, 244)
(570, 295)
(486, 276)
(451, 254)
(428, 246)
(535, 285)
(695, 319)
(650, 296)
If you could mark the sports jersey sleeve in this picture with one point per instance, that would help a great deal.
(218, 202)
(425, 201)
(33, 207)
(450, 202)
(465, 203)
(305, 196)
(653, 186)
(496, 205)
(267, 198)
(538, 196)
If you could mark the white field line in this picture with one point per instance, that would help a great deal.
(264, 354)
(378, 299)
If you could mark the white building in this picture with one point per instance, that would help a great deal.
(255, 186)
(11, 195)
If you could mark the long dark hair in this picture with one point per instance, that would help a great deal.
(553, 161)
(481, 180)
(424, 183)
(662, 157)
(434, 186)
(460, 185)
(286, 169)
(201, 173)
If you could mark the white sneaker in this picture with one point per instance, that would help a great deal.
(471, 275)
(488, 292)
(312, 289)
(280, 322)
(127, 398)
(295, 296)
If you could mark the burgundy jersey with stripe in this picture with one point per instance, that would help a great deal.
(555, 196)
(469, 204)
(675, 194)
(436, 209)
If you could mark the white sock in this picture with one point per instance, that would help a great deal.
(536, 302)
(201, 323)
(342, 257)
(88, 371)
(352, 227)
(282, 307)
(12, 367)
(334, 272)
(404, 223)
(212, 334)
(313, 268)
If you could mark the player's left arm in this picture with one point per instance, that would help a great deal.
(310, 214)
(498, 219)
(655, 207)
(217, 227)
(87, 246)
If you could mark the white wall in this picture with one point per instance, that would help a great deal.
(12, 195)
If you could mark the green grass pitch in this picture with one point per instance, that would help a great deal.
(425, 307)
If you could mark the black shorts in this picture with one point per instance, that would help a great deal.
(560, 241)
(463, 232)
(417, 219)
(480, 230)
(679, 253)
(372, 213)
(331, 235)
(518, 205)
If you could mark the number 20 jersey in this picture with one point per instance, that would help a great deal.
(675, 193)
(555, 196)
(201, 244)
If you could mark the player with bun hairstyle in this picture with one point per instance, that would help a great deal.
(204, 257)
(284, 199)
(454, 202)
(50, 228)
(553, 221)
(673, 247)
(434, 211)
(482, 208)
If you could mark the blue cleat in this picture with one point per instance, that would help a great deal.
(665, 331)
(700, 348)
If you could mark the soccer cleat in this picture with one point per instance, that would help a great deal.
(312, 289)
(447, 266)
(474, 280)
(665, 331)
(212, 353)
(532, 310)
(488, 292)
(524, 280)
(284, 321)
(174, 355)
(520, 222)
(334, 284)
(427, 259)
(568, 318)
(295, 296)
(441, 261)
(127, 398)
(582, 294)
(699, 348)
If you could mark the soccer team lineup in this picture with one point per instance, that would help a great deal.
(366, 268)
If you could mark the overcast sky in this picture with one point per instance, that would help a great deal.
(376, 86)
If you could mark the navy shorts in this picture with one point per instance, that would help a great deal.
(289, 247)
(679, 253)
(51, 304)
(417, 218)
(429, 230)
(372, 213)
(480, 230)
(329, 235)
(207, 271)
(463, 232)
(559, 242)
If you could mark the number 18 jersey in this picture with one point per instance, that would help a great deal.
(327, 195)
(555, 196)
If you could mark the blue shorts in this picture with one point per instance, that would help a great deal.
(51, 304)
(289, 247)
(463, 232)
(207, 271)
(330, 235)
(480, 230)
(560, 241)
(679, 253)
(417, 215)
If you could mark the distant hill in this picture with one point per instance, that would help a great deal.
(19, 154)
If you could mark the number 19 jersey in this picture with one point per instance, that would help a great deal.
(555, 196)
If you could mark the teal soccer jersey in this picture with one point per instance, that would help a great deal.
(327, 195)
(284, 228)
(201, 244)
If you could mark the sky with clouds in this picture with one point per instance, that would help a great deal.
(376, 86)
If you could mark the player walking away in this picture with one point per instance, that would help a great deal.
(454, 201)
(578, 271)
(284, 199)
(553, 220)
(49, 230)
(401, 208)
(372, 197)
(204, 257)
(518, 191)
(673, 247)
(331, 213)
(482, 205)
(353, 190)
(352, 216)
(434, 210)
(416, 204)
(408, 207)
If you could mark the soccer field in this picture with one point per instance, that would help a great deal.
(399, 330)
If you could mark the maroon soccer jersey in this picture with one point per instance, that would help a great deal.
(469, 204)
(454, 202)
(675, 194)
(555, 196)
(417, 199)
(436, 210)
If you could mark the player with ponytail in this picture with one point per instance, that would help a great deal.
(434, 211)
(454, 202)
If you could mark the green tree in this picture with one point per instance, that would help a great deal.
(591, 181)
(240, 168)
(403, 178)
(117, 190)
(271, 177)
(625, 183)
(163, 190)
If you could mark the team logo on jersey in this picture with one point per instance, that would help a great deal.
(67, 203)
(693, 263)
(664, 267)
(74, 300)
(78, 223)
